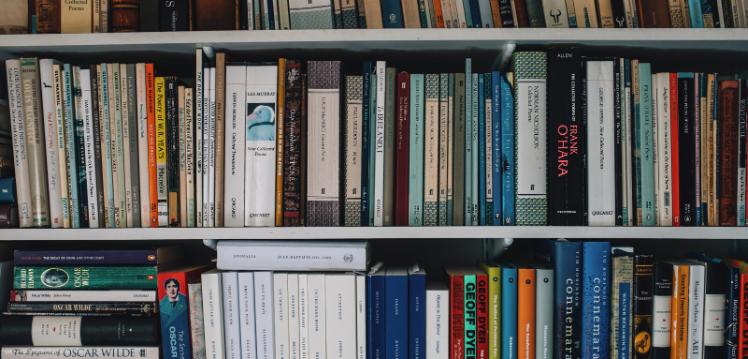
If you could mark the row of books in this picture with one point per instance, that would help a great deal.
(300, 143)
(85, 16)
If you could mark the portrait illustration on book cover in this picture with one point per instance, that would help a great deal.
(173, 304)
(261, 122)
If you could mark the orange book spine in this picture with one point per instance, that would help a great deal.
(151, 110)
(526, 313)
(679, 313)
(438, 14)
(279, 145)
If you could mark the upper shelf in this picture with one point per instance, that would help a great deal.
(371, 39)
(302, 233)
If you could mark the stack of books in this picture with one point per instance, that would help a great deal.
(85, 16)
(100, 302)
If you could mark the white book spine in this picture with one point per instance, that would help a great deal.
(189, 143)
(280, 313)
(204, 140)
(213, 314)
(212, 151)
(232, 336)
(197, 331)
(18, 128)
(316, 325)
(303, 316)
(83, 296)
(199, 91)
(664, 177)
(661, 315)
(293, 316)
(459, 10)
(236, 80)
(544, 314)
(600, 127)
(714, 320)
(145, 204)
(261, 127)
(696, 292)
(126, 117)
(555, 13)
(50, 135)
(60, 133)
(340, 321)
(264, 315)
(106, 146)
(379, 146)
(361, 316)
(258, 255)
(247, 315)
(88, 146)
(73, 352)
(437, 325)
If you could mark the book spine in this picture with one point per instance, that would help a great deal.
(643, 304)
(101, 308)
(366, 143)
(600, 145)
(72, 166)
(389, 146)
(662, 160)
(130, 92)
(48, 16)
(84, 257)
(505, 11)
(293, 316)
(468, 154)
(416, 147)
(431, 152)
(544, 338)
(174, 307)
(530, 119)
(622, 279)
(106, 145)
(51, 146)
(566, 258)
(20, 159)
(619, 137)
(674, 149)
(150, 92)
(213, 314)
(696, 292)
(470, 316)
(450, 147)
(68, 277)
(442, 150)
(161, 151)
(71, 296)
(481, 199)
(437, 309)
(535, 13)
(361, 312)
(493, 317)
(491, 94)
(199, 120)
(679, 345)
(456, 314)
(172, 152)
(264, 314)
(323, 182)
(458, 152)
(392, 14)
(509, 311)
(586, 13)
(733, 312)
(125, 165)
(189, 143)
(97, 112)
(686, 150)
(697, 109)
(402, 148)
(508, 195)
(729, 99)
(595, 298)
(304, 316)
(59, 115)
(73, 331)
(118, 151)
(197, 331)
(247, 315)
(475, 154)
(114, 352)
(417, 310)
(396, 315)
(627, 141)
(376, 326)
(231, 321)
(210, 150)
(88, 137)
(236, 77)
(526, 313)
(220, 151)
(378, 126)
(340, 307)
(316, 325)
(280, 314)
(292, 140)
(742, 153)
(80, 151)
(645, 134)
(353, 154)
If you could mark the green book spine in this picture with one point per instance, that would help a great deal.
(471, 315)
(458, 152)
(69, 277)
(647, 145)
(468, 177)
(530, 143)
(415, 200)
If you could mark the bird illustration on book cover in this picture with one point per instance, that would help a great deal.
(261, 122)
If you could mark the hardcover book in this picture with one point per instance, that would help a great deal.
(76, 16)
(402, 149)
(174, 311)
(317, 14)
(595, 298)
(113, 352)
(269, 255)
(215, 15)
(293, 178)
(78, 331)
(353, 154)
(124, 16)
(622, 285)
(14, 18)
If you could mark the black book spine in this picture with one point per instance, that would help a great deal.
(80, 151)
(148, 17)
(173, 15)
(643, 288)
(727, 14)
(618, 123)
(132, 111)
(663, 291)
(365, 146)
(619, 14)
(733, 313)
(243, 16)
(686, 152)
(566, 175)
(97, 146)
(172, 151)
(292, 137)
(23, 330)
(83, 309)
(715, 13)
(505, 11)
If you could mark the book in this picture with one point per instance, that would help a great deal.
(456, 325)
(417, 312)
(376, 172)
(213, 314)
(389, 146)
(663, 121)
(18, 132)
(316, 323)
(172, 154)
(696, 292)
(622, 285)
(292, 143)
(340, 312)
(70, 152)
(323, 182)
(246, 298)
(15, 19)
(54, 183)
(530, 118)
(375, 328)
(314, 15)
(361, 310)
(92, 309)
(402, 149)
(294, 327)
(431, 152)
(69, 277)
(280, 314)
(62, 165)
(679, 344)
(114, 352)
(75, 16)
(86, 107)
(595, 297)
(544, 308)
(88, 331)
(76, 296)
(437, 312)
(97, 181)
(214, 15)
(174, 310)
(123, 15)
(161, 150)
(508, 168)
(644, 137)
(396, 312)
(643, 298)
(729, 99)
(600, 144)
(526, 312)
(131, 257)
(565, 257)
(353, 152)
(509, 311)
(264, 255)
(416, 147)
(152, 155)
(236, 92)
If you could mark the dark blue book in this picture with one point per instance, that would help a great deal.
(365, 144)
(134, 257)
(271, 15)
(507, 152)
(566, 259)
(595, 299)
(396, 313)
(392, 14)
(417, 313)
(508, 312)
(8, 190)
(375, 325)
(474, 14)
(496, 209)
(481, 151)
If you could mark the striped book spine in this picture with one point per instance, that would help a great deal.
(353, 155)
(415, 183)
(431, 152)
(530, 121)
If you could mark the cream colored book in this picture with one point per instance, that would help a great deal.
(431, 152)
(32, 114)
(51, 145)
(14, 17)
(605, 10)
(76, 16)
(126, 150)
(182, 157)
(18, 129)
(189, 145)
(145, 205)
(586, 13)
(60, 133)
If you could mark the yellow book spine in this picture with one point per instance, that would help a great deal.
(494, 311)
(160, 105)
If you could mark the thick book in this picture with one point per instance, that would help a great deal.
(47, 13)
(643, 299)
(18, 135)
(292, 145)
(729, 99)
(530, 145)
(76, 295)
(375, 327)
(456, 313)
(396, 312)
(621, 294)
(54, 184)
(601, 171)
(84, 309)
(124, 16)
(566, 140)
(113, 352)
(77, 331)
(174, 310)
(323, 144)
(662, 122)
(76, 16)
(273, 255)
(595, 298)
(317, 14)
(679, 341)
(69, 277)
(353, 154)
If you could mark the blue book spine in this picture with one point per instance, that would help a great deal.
(365, 144)
(508, 313)
(645, 132)
(396, 315)
(696, 14)
(271, 15)
(417, 315)
(375, 325)
(481, 152)
(709, 11)
(468, 141)
(8, 190)
(415, 168)
(624, 320)
(487, 214)
(372, 139)
(507, 153)
(496, 148)
(474, 14)
(468, 12)
(475, 164)
(70, 153)
(392, 14)
(566, 258)
(595, 299)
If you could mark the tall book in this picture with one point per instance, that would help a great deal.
(259, 173)
(353, 153)
(172, 153)
(142, 136)
(687, 151)
(664, 146)
(595, 298)
(377, 164)
(161, 151)
(509, 310)
(54, 181)
(310, 15)
(189, 149)
(458, 151)
(443, 149)
(679, 344)
(508, 163)
(59, 117)
(644, 134)
(526, 312)
(662, 293)
(236, 92)
(96, 128)
(530, 145)
(402, 149)
(105, 137)
(220, 151)
(150, 92)
(621, 294)
(213, 314)
(70, 149)
(566, 259)
(79, 141)
(86, 108)
(199, 117)
(437, 309)
(130, 92)
(601, 171)
(416, 147)
(174, 310)
(323, 180)
(389, 145)
(431, 152)
(566, 138)
(468, 154)
(292, 145)
(729, 99)
(643, 304)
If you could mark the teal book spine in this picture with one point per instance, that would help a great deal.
(450, 143)
(372, 141)
(70, 277)
(72, 158)
(481, 151)
(530, 143)
(645, 132)
(415, 170)
(106, 150)
(392, 14)
(475, 101)
(470, 313)
(468, 142)
(468, 13)
(508, 313)
(696, 13)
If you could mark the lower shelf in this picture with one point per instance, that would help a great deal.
(305, 233)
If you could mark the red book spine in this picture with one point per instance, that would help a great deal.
(482, 325)
(402, 149)
(457, 318)
(728, 145)
(743, 320)
(150, 95)
(674, 151)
